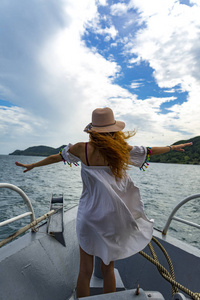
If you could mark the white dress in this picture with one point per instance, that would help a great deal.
(111, 222)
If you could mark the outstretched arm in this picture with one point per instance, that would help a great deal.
(47, 161)
(161, 150)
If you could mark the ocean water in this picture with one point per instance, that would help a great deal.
(162, 186)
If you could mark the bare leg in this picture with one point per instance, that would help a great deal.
(109, 283)
(85, 273)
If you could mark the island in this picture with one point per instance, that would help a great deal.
(190, 156)
(38, 151)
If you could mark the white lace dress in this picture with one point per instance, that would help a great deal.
(111, 222)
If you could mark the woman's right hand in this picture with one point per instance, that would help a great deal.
(27, 167)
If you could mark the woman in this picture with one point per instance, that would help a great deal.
(111, 222)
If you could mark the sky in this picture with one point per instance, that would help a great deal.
(61, 59)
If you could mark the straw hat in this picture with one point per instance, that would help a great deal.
(103, 121)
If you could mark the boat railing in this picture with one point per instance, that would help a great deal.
(172, 217)
(26, 201)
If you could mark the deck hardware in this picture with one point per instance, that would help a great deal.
(25, 228)
(179, 296)
(171, 217)
(149, 295)
(137, 292)
(55, 223)
(26, 201)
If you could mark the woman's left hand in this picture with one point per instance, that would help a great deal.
(27, 166)
(181, 146)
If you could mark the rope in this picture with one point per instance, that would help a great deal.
(169, 277)
(27, 227)
(171, 274)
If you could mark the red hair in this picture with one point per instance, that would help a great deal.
(114, 148)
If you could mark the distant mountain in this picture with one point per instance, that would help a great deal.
(190, 156)
(38, 151)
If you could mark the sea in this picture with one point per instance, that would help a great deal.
(162, 186)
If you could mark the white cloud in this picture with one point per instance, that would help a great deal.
(134, 60)
(110, 32)
(170, 91)
(170, 43)
(47, 70)
(136, 84)
(153, 128)
(195, 2)
(118, 9)
(102, 2)
(171, 48)
(17, 121)
(62, 81)
(19, 127)
(148, 9)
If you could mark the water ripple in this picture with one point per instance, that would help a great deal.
(162, 186)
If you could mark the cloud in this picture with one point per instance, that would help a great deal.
(171, 51)
(54, 80)
(171, 47)
(108, 32)
(102, 25)
(136, 84)
(60, 80)
(152, 127)
(19, 127)
(170, 91)
(102, 2)
(23, 30)
(118, 9)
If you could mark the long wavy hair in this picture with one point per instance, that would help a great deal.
(114, 148)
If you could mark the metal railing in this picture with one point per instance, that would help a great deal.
(171, 217)
(26, 200)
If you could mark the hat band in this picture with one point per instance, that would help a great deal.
(103, 125)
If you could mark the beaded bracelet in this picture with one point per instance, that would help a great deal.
(146, 163)
(60, 152)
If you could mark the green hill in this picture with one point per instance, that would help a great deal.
(37, 151)
(190, 156)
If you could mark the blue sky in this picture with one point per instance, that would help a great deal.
(60, 59)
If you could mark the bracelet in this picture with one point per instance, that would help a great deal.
(170, 148)
(146, 163)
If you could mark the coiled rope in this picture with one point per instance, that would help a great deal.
(169, 277)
